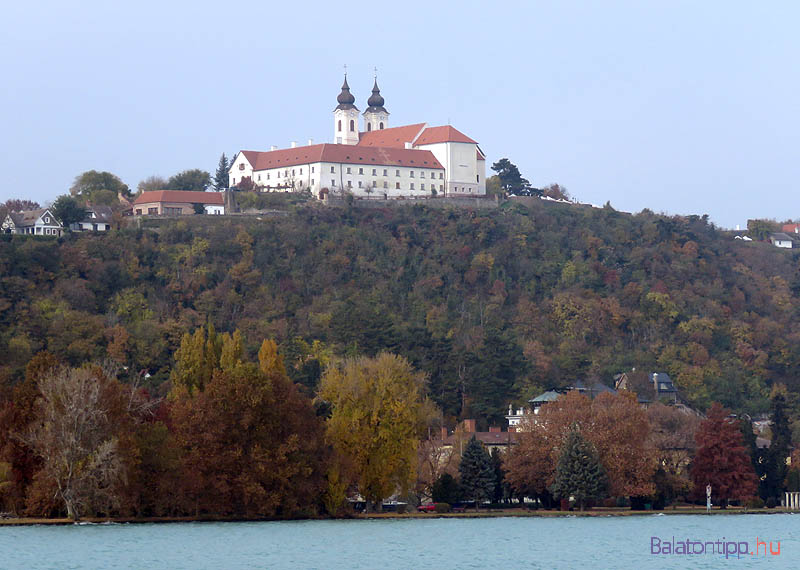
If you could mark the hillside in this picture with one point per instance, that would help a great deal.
(494, 305)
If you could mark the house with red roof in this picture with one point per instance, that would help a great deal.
(178, 203)
(410, 161)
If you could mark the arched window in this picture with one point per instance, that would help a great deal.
(369, 126)
(381, 126)
(352, 125)
(340, 126)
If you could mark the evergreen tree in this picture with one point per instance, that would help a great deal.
(446, 490)
(477, 472)
(501, 489)
(221, 175)
(579, 472)
(775, 468)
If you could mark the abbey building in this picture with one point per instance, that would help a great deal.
(379, 161)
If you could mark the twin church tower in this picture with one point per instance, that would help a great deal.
(345, 116)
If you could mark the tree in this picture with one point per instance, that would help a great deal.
(446, 490)
(775, 468)
(760, 229)
(98, 187)
(579, 473)
(23, 205)
(557, 192)
(511, 180)
(672, 438)
(73, 434)
(252, 444)
(476, 472)
(221, 175)
(190, 180)
(721, 459)
(378, 411)
(68, 210)
(152, 183)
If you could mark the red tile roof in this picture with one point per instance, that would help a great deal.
(349, 154)
(433, 135)
(396, 137)
(180, 197)
(790, 228)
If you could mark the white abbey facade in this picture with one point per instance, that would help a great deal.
(408, 161)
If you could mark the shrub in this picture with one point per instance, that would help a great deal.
(755, 503)
(771, 503)
(442, 507)
(401, 509)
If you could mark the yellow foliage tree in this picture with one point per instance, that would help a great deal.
(378, 412)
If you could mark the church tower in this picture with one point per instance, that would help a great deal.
(376, 117)
(345, 117)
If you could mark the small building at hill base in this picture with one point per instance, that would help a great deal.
(178, 203)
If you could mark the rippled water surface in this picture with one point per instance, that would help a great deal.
(505, 543)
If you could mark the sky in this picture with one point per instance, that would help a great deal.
(682, 107)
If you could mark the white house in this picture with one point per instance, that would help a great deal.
(98, 219)
(33, 222)
(408, 161)
(780, 240)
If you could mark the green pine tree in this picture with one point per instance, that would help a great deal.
(579, 472)
(221, 175)
(775, 468)
(477, 472)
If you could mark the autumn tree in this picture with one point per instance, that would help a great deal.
(672, 438)
(476, 472)
(20, 205)
(378, 410)
(721, 459)
(579, 472)
(614, 424)
(251, 443)
(73, 434)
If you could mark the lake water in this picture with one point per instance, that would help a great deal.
(504, 543)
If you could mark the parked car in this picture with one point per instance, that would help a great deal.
(429, 508)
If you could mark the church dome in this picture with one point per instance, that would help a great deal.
(375, 100)
(345, 98)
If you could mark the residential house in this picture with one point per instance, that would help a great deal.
(98, 219)
(495, 438)
(32, 222)
(178, 203)
(780, 239)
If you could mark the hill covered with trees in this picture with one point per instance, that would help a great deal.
(494, 305)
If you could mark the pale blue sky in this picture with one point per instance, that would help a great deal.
(680, 107)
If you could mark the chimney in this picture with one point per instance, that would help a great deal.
(495, 429)
(273, 147)
(444, 433)
(469, 426)
(294, 144)
(310, 142)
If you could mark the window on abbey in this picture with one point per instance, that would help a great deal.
(340, 126)
(397, 173)
(385, 172)
(333, 169)
(380, 126)
(361, 171)
(397, 185)
(348, 170)
(352, 125)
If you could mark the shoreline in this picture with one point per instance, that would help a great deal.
(497, 513)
